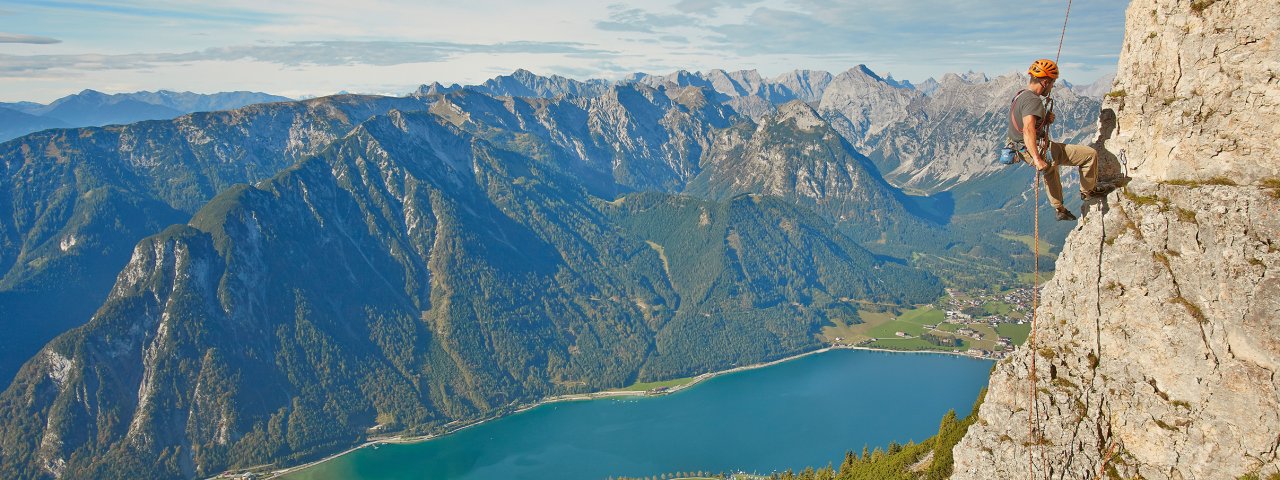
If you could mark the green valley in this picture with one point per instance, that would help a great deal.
(980, 324)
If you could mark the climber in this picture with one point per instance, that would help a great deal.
(1028, 120)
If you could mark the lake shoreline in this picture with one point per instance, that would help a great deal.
(401, 440)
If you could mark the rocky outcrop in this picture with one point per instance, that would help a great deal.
(1156, 347)
(1198, 90)
(1155, 353)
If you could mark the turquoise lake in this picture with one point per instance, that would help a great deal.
(805, 412)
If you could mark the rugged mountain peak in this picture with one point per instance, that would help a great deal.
(928, 87)
(969, 77)
(1097, 89)
(1157, 349)
(524, 83)
(806, 85)
(736, 84)
(864, 70)
(802, 114)
(693, 98)
(435, 88)
(975, 77)
(859, 104)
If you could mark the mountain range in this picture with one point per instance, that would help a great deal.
(91, 108)
(268, 284)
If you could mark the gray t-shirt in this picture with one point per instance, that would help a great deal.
(1028, 103)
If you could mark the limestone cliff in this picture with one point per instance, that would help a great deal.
(1158, 339)
(1198, 89)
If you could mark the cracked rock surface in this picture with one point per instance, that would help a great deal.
(1158, 339)
(1197, 89)
(1163, 361)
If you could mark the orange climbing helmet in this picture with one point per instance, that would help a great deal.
(1044, 68)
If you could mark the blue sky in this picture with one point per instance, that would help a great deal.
(51, 48)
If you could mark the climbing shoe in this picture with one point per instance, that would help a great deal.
(1064, 214)
(1100, 190)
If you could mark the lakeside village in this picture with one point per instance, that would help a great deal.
(978, 324)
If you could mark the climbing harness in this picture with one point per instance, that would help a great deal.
(1009, 153)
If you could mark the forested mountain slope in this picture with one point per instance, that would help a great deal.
(409, 276)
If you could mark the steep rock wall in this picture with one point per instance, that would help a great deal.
(1157, 341)
(1156, 345)
(1197, 89)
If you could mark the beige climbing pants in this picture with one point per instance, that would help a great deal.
(1070, 155)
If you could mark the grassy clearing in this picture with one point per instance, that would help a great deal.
(880, 330)
(997, 308)
(926, 315)
(989, 337)
(950, 327)
(848, 333)
(662, 254)
(875, 325)
(1030, 242)
(890, 329)
(1027, 277)
(1015, 332)
(646, 386)
(911, 344)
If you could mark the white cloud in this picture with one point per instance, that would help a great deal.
(326, 53)
(708, 8)
(624, 19)
(473, 40)
(31, 39)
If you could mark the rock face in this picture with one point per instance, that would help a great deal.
(1165, 357)
(1201, 89)
(1156, 353)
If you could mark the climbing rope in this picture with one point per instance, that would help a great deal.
(1111, 450)
(1033, 419)
(1064, 32)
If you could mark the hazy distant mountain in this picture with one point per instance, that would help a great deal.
(523, 83)
(93, 108)
(15, 123)
(1098, 88)
(24, 107)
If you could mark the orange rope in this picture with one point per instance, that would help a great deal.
(1064, 32)
(1032, 418)
(1107, 459)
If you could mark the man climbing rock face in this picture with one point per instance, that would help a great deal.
(1028, 120)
